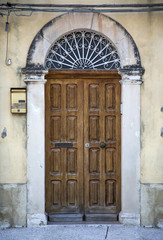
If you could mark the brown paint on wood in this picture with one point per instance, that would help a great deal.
(83, 107)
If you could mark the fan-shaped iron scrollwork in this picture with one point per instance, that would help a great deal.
(82, 50)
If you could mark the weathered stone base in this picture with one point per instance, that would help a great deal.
(35, 220)
(152, 205)
(129, 218)
(12, 205)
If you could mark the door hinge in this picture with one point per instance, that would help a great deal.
(121, 108)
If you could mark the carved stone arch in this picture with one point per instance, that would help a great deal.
(131, 72)
(45, 38)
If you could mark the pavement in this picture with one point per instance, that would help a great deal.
(82, 232)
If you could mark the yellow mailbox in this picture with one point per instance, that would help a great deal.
(18, 100)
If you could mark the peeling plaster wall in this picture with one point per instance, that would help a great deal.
(147, 31)
(12, 205)
(151, 202)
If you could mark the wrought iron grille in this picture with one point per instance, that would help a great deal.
(82, 49)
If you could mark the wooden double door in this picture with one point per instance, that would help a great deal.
(83, 145)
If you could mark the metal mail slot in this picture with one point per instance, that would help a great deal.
(63, 145)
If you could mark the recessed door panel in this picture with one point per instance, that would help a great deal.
(71, 161)
(55, 96)
(94, 160)
(55, 161)
(71, 128)
(110, 97)
(56, 193)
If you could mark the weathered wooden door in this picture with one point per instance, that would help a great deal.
(82, 145)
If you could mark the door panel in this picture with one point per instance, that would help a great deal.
(64, 166)
(84, 178)
(101, 165)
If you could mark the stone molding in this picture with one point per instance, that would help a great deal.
(131, 76)
(129, 218)
(35, 79)
(130, 154)
(35, 220)
(68, 22)
(34, 75)
(131, 73)
(35, 149)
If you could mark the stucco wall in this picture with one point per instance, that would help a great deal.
(147, 31)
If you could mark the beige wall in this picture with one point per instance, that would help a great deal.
(147, 31)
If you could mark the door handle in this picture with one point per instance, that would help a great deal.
(102, 145)
(86, 144)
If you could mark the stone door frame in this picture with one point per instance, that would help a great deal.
(131, 78)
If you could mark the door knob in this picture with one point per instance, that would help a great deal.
(102, 145)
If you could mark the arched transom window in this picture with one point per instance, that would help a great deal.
(82, 49)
